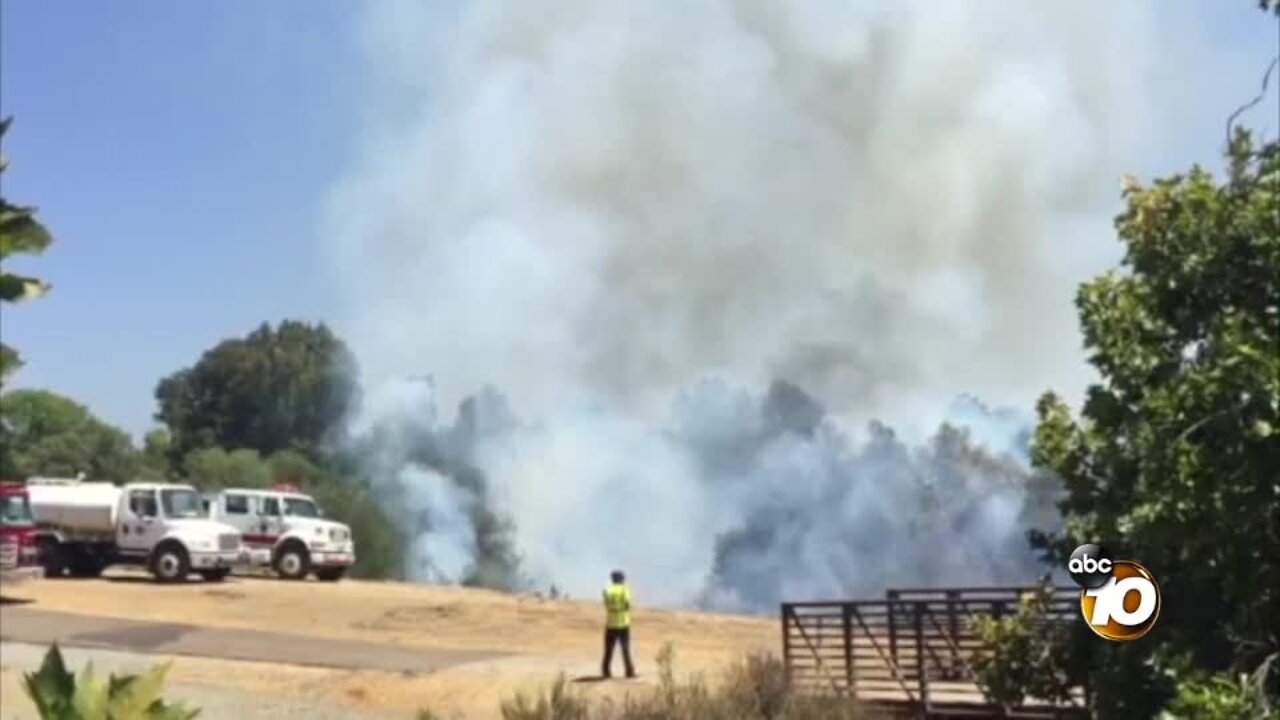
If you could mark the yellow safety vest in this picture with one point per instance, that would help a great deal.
(617, 605)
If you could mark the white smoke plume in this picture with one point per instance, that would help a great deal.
(593, 206)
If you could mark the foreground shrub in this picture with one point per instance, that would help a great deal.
(557, 704)
(1026, 654)
(60, 695)
(1223, 697)
(755, 688)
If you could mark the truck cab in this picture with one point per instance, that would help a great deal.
(285, 530)
(19, 557)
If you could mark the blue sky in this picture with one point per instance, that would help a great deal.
(181, 154)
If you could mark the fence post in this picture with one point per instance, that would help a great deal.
(953, 670)
(893, 625)
(921, 683)
(786, 644)
(847, 615)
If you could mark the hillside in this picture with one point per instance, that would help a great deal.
(533, 639)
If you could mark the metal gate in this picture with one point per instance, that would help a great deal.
(910, 652)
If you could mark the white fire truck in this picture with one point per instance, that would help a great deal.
(285, 530)
(84, 527)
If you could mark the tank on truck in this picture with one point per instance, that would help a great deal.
(78, 524)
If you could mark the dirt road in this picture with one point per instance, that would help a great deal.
(458, 651)
(239, 691)
(28, 625)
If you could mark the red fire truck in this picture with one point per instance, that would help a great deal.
(19, 557)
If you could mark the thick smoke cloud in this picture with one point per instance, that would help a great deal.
(428, 476)
(739, 501)
(594, 205)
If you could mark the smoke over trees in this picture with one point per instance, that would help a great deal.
(434, 491)
(885, 514)
(771, 499)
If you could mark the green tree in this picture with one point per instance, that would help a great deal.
(155, 454)
(215, 468)
(43, 433)
(20, 232)
(1175, 458)
(1033, 658)
(276, 389)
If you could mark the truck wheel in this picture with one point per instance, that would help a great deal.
(169, 563)
(330, 574)
(84, 565)
(215, 575)
(292, 562)
(53, 558)
(54, 561)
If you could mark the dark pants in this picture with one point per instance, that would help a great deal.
(614, 636)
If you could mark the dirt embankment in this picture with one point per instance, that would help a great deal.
(538, 639)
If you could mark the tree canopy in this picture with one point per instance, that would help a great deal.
(1174, 460)
(266, 408)
(277, 388)
(43, 433)
(20, 232)
(155, 454)
(215, 468)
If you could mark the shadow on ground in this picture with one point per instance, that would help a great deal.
(148, 580)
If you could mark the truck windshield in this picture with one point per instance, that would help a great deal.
(15, 511)
(300, 507)
(181, 503)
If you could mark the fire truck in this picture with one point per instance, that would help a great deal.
(285, 530)
(87, 526)
(19, 558)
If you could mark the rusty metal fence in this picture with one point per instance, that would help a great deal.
(909, 653)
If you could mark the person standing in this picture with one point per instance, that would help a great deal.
(617, 631)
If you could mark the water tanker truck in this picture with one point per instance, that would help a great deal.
(86, 527)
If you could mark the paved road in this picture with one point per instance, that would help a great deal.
(24, 624)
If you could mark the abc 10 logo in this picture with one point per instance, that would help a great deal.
(1119, 599)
